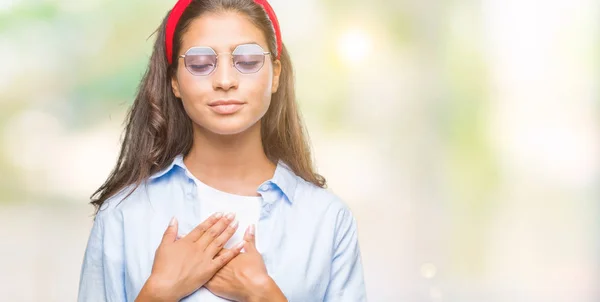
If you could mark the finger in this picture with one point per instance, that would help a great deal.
(199, 230)
(250, 238)
(171, 231)
(221, 252)
(214, 247)
(224, 258)
(214, 231)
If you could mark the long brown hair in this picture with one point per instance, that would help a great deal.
(158, 128)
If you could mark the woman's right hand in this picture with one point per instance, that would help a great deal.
(183, 266)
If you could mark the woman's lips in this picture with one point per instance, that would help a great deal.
(226, 106)
(227, 109)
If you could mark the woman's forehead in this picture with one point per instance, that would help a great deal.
(222, 32)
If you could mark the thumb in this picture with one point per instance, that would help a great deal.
(250, 238)
(171, 232)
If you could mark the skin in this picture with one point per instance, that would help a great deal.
(182, 266)
(228, 155)
(245, 271)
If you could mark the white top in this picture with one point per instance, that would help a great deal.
(246, 209)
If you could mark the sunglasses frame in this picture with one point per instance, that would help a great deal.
(217, 59)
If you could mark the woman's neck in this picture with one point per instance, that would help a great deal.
(234, 164)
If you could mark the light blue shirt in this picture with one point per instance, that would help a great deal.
(308, 237)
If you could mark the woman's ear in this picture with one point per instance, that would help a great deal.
(175, 86)
(276, 73)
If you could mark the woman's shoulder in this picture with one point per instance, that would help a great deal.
(304, 193)
(124, 198)
(319, 198)
(323, 207)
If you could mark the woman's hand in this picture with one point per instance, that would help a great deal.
(245, 277)
(182, 266)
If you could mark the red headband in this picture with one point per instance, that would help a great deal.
(180, 7)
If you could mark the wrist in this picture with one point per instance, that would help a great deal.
(154, 290)
(265, 289)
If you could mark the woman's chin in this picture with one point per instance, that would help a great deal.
(229, 127)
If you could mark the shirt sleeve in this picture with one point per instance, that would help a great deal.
(347, 280)
(102, 271)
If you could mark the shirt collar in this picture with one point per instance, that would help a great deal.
(284, 178)
(178, 161)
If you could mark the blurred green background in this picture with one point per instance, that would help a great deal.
(464, 135)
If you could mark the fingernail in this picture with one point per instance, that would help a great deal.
(218, 215)
(251, 230)
(230, 215)
(234, 224)
(173, 221)
(240, 245)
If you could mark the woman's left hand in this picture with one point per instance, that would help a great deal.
(245, 277)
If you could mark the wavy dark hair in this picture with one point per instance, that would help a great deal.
(158, 128)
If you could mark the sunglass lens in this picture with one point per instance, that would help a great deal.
(248, 63)
(200, 64)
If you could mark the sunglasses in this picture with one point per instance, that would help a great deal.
(246, 58)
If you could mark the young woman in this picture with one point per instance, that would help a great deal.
(214, 196)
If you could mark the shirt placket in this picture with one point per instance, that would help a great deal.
(266, 220)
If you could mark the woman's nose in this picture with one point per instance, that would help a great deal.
(225, 76)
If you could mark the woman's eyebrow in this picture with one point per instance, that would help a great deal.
(231, 47)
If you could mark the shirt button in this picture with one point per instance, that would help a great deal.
(264, 187)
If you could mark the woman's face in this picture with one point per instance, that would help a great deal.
(226, 101)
